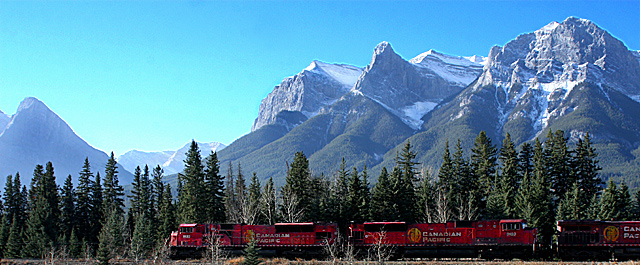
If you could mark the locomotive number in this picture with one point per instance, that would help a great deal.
(511, 233)
(186, 236)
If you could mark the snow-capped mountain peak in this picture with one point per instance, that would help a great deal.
(171, 162)
(344, 74)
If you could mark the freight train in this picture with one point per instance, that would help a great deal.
(487, 239)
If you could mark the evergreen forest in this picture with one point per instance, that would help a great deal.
(540, 182)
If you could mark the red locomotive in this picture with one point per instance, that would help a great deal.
(601, 240)
(457, 239)
(281, 239)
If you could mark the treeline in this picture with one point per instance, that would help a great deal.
(540, 182)
(89, 220)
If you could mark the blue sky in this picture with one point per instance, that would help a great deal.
(152, 75)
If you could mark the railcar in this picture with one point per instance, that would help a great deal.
(490, 239)
(281, 239)
(598, 240)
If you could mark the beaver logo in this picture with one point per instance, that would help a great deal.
(611, 233)
(414, 235)
(249, 235)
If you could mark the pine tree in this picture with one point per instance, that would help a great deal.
(110, 238)
(96, 215)
(559, 159)
(215, 189)
(544, 217)
(251, 254)
(15, 240)
(142, 237)
(483, 161)
(624, 203)
(382, 198)
(167, 216)
(295, 191)
(42, 225)
(408, 199)
(253, 199)
(572, 206)
(585, 168)
(229, 196)
(68, 208)
(191, 199)
(113, 192)
(83, 206)
(509, 177)
(609, 202)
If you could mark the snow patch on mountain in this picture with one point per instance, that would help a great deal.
(553, 92)
(414, 113)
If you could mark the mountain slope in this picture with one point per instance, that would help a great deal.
(36, 135)
(4, 120)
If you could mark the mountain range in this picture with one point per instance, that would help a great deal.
(571, 75)
(170, 161)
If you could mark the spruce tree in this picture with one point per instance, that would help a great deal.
(68, 208)
(215, 189)
(483, 161)
(509, 177)
(609, 202)
(585, 168)
(466, 193)
(253, 199)
(15, 240)
(382, 198)
(113, 192)
(295, 192)
(167, 216)
(559, 162)
(191, 200)
(230, 201)
(111, 237)
(426, 201)
(623, 203)
(96, 216)
(83, 206)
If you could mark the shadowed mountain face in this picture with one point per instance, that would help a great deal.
(36, 135)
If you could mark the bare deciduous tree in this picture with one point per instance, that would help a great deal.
(291, 211)
(381, 251)
(215, 251)
(442, 211)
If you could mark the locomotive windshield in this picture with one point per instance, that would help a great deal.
(186, 229)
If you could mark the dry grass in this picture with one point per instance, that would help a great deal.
(278, 261)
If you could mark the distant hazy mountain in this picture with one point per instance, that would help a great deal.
(571, 75)
(171, 162)
(36, 135)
